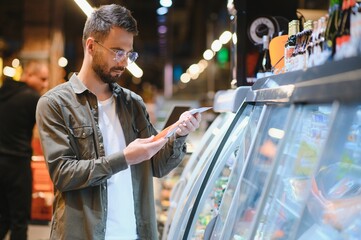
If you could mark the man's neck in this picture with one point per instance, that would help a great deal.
(100, 89)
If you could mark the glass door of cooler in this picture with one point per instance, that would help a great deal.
(290, 182)
(213, 135)
(241, 197)
(210, 141)
(196, 176)
(333, 209)
(230, 161)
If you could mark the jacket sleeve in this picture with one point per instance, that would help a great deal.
(67, 170)
(171, 155)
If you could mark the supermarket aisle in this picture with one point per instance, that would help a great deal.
(37, 232)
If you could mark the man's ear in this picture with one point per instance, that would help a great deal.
(89, 44)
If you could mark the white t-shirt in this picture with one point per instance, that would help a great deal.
(121, 222)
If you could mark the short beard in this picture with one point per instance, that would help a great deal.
(106, 77)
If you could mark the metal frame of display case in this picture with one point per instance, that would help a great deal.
(209, 142)
(225, 101)
(239, 131)
(252, 161)
(208, 172)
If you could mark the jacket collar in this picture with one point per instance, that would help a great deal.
(79, 86)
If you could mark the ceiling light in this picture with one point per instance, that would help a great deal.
(84, 6)
(166, 3)
(216, 45)
(208, 54)
(162, 11)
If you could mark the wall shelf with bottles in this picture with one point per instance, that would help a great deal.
(342, 77)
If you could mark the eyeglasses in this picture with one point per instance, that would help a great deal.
(120, 55)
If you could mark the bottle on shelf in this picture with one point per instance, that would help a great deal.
(266, 59)
(318, 53)
(332, 29)
(293, 29)
(306, 44)
(344, 45)
(312, 45)
(297, 51)
(264, 62)
(343, 33)
(355, 27)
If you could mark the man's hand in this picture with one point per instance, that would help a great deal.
(142, 149)
(188, 122)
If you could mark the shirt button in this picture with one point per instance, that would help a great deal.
(95, 106)
(83, 134)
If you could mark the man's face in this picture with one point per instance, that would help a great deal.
(38, 80)
(104, 63)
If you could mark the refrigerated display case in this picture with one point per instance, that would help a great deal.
(296, 162)
(333, 209)
(248, 185)
(212, 136)
(230, 162)
(303, 184)
(226, 103)
(312, 167)
(241, 133)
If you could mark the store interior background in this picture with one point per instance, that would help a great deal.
(50, 29)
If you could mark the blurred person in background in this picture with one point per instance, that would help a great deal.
(18, 101)
(99, 143)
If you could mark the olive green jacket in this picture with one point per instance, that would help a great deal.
(67, 119)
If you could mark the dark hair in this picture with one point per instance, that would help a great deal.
(100, 22)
